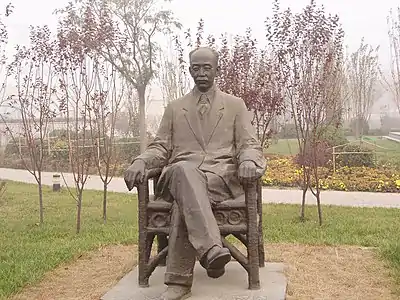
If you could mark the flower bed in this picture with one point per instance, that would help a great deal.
(283, 172)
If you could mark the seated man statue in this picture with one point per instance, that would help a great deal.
(207, 147)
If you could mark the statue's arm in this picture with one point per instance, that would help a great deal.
(247, 145)
(159, 150)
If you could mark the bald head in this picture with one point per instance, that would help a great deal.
(203, 67)
(204, 51)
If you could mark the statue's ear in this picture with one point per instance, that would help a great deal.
(190, 71)
(217, 71)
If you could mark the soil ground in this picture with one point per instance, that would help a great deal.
(313, 272)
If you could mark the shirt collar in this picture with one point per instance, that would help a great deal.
(210, 93)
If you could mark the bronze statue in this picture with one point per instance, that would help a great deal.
(207, 147)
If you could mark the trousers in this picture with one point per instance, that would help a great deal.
(194, 230)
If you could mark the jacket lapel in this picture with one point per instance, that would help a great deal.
(215, 116)
(192, 118)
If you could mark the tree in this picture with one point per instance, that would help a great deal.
(104, 108)
(247, 72)
(34, 74)
(346, 92)
(124, 33)
(122, 123)
(393, 83)
(128, 120)
(3, 44)
(153, 124)
(363, 76)
(309, 50)
(77, 85)
(172, 79)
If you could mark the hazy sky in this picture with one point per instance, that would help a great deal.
(359, 18)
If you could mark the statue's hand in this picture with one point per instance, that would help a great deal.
(248, 171)
(134, 175)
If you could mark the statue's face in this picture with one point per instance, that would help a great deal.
(203, 68)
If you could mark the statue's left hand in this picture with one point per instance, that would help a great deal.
(248, 171)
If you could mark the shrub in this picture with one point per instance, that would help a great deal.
(377, 132)
(330, 137)
(389, 124)
(288, 131)
(323, 152)
(128, 148)
(59, 133)
(13, 163)
(12, 149)
(347, 131)
(363, 126)
(334, 136)
(354, 159)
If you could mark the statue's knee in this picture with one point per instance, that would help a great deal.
(183, 167)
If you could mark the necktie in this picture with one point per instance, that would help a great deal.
(204, 105)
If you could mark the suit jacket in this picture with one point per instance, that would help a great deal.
(227, 140)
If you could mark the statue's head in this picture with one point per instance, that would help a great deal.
(203, 67)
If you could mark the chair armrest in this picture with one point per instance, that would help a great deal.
(152, 173)
(143, 197)
(250, 190)
(252, 200)
(143, 188)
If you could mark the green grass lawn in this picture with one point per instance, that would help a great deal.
(391, 149)
(290, 147)
(28, 250)
(283, 147)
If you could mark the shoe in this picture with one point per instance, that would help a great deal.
(217, 258)
(176, 292)
(215, 273)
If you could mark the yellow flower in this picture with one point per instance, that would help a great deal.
(298, 171)
(267, 180)
(397, 182)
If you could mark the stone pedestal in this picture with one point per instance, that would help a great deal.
(231, 286)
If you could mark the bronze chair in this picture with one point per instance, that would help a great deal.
(240, 217)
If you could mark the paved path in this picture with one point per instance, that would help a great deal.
(357, 199)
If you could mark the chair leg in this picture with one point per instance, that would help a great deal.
(253, 267)
(261, 253)
(162, 242)
(144, 238)
(261, 250)
(253, 239)
(149, 245)
(145, 243)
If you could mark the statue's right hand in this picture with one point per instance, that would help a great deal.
(134, 175)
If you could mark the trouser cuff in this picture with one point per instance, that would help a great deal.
(178, 279)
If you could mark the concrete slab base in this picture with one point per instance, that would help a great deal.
(232, 286)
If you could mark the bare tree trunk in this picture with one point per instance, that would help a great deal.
(357, 127)
(303, 203)
(142, 118)
(40, 198)
(305, 189)
(79, 210)
(318, 196)
(105, 186)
